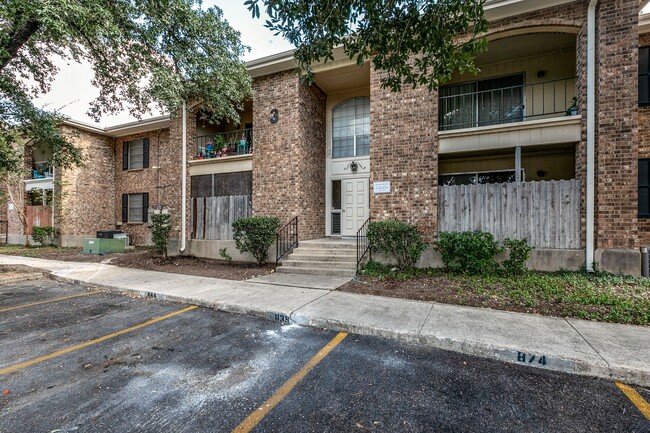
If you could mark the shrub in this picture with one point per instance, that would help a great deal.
(519, 251)
(161, 226)
(468, 252)
(223, 253)
(399, 240)
(255, 235)
(44, 235)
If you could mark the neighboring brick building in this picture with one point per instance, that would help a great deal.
(343, 150)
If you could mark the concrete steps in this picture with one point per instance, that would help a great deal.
(330, 257)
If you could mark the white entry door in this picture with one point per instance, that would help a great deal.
(355, 206)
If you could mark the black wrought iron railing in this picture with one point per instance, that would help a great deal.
(224, 144)
(286, 239)
(506, 105)
(363, 245)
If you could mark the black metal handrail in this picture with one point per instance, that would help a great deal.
(286, 239)
(363, 245)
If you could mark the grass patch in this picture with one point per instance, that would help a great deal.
(591, 296)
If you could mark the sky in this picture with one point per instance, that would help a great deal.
(72, 90)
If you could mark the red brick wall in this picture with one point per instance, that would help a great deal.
(404, 151)
(644, 147)
(617, 120)
(170, 170)
(88, 192)
(289, 156)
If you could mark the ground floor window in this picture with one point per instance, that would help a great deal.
(135, 208)
(478, 178)
(644, 188)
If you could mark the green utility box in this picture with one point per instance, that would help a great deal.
(101, 246)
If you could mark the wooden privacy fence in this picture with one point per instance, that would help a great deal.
(212, 217)
(38, 216)
(546, 214)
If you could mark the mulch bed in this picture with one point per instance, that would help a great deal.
(147, 259)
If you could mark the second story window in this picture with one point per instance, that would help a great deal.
(135, 154)
(351, 128)
(644, 76)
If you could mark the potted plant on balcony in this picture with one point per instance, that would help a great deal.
(573, 108)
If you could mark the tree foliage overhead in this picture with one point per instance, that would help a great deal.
(142, 52)
(415, 42)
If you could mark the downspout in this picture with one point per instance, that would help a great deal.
(183, 180)
(591, 133)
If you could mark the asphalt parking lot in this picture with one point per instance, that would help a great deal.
(74, 359)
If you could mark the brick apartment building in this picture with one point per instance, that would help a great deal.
(504, 151)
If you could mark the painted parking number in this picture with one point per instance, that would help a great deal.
(527, 358)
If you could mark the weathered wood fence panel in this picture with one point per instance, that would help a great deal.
(546, 214)
(38, 216)
(212, 217)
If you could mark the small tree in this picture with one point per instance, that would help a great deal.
(161, 226)
(255, 235)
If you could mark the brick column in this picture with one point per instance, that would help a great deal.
(289, 155)
(617, 130)
(404, 151)
(170, 171)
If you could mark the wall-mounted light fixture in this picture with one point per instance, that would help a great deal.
(541, 174)
(354, 166)
(541, 74)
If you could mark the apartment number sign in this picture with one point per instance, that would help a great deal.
(381, 187)
(275, 115)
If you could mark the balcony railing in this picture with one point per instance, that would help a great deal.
(224, 144)
(506, 105)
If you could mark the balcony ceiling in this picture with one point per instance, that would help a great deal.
(344, 78)
(514, 47)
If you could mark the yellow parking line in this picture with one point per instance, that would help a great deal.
(636, 399)
(48, 301)
(258, 415)
(91, 342)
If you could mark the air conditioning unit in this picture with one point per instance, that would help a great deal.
(123, 237)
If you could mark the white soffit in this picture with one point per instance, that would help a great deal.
(497, 9)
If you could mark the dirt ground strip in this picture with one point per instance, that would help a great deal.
(148, 259)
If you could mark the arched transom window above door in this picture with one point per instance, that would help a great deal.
(351, 128)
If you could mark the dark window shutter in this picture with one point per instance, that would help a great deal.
(145, 153)
(145, 207)
(125, 155)
(125, 208)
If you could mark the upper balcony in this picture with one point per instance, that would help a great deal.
(508, 101)
(523, 95)
(224, 144)
(42, 176)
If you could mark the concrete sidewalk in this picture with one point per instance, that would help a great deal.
(619, 352)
